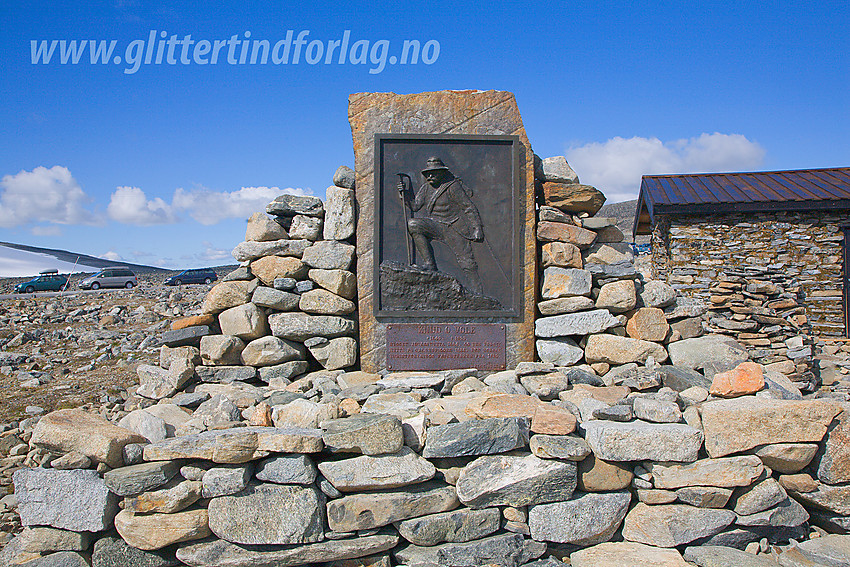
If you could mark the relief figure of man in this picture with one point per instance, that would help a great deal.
(445, 212)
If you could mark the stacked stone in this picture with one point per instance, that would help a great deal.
(294, 294)
(593, 307)
(442, 468)
(766, 317)
(800, 250)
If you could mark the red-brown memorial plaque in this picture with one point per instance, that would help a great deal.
(443, 346)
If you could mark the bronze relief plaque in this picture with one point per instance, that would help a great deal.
(448, 227)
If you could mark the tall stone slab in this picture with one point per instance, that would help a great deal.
(454, 113)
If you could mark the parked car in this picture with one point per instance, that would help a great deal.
(200, 275)
(110, 277)
(49, 280)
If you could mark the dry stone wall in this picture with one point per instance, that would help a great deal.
(801, 252)
(257, 441)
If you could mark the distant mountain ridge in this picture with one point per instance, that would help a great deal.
(83, 260)
(624, 212)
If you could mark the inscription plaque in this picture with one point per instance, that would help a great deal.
(444, 346)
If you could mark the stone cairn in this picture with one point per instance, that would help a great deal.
(256, 441)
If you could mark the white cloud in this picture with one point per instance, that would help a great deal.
(210, 207)
(616, 166)
(111, 256)
(130, 205)
(49, 230)
(216, 255)
(44, 195)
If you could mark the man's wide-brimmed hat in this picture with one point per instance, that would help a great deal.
(434, 164)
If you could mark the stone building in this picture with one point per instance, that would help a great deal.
(713, 232)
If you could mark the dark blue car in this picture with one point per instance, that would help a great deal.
(200, 275)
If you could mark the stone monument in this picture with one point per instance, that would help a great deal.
(446, 261)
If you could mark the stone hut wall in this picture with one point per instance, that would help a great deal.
(800, 251)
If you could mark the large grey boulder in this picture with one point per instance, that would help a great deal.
(301, 326)
(377, 472)
(507, 480)
(581, 323)
(287, 469)
(276, 299)
(642, 441)
(477, 437)
(263, 229)
(113, 551)
(621, 350)
(586, 519)
(507, 550)
(291, 205)
(251, 250)
(246, 321)
(739, 424)
(224, 480)
(366, 511)
(562, 351)
(269, 514)
(464, 524)
(366, 433)
(329, 255)
(565, 282)
(76, 500)
(727, 472)
(671, 525)
(270, 351)
(704, 351)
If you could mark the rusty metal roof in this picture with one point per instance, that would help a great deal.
(706, 193)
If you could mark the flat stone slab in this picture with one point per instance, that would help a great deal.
(507, 550)
(456, 526)
(719, 556)
(642, 441)
(581, 323)
(736, 425)
(225, 554)
(135, 479)
(155, 531)
(586, 519)
(237, 445)
(671, 525)
(367, 511)
(378, 472)
(627, 553)
(726, 472)
(507, 480)
(478, 437)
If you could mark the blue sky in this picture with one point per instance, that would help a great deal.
(163, 165)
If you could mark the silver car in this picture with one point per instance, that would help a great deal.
(110, 277)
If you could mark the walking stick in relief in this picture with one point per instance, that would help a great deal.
(407, 238)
